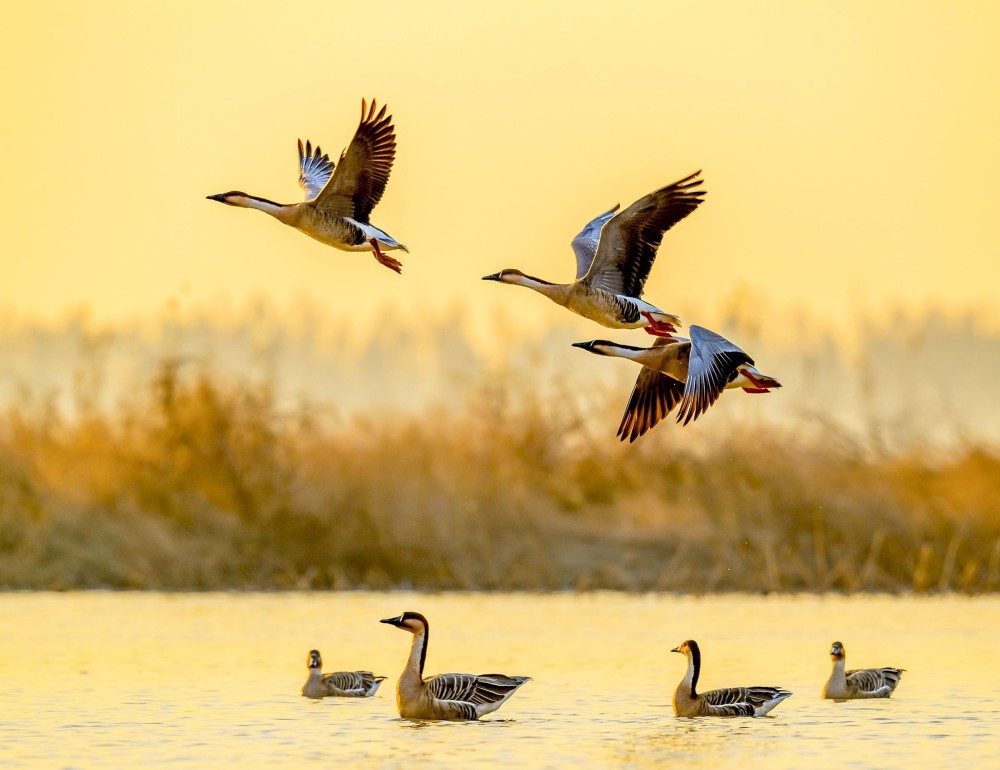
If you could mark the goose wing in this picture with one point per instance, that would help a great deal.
(351, 682)
(315, 168)
(470, 688)
(713, 365)
(585, 243)
(740, 701)
(360, 178)
(874, 682)
(654, 395)
(628, 242)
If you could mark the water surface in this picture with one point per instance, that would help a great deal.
(108, 680)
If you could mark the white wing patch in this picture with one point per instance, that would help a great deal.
(585, 243)
(315, 169)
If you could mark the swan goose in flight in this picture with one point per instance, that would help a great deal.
(339, 201)
(692, 372)
(614, 254)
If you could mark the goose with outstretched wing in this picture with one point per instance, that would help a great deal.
(340, 198)
(676, 370)
(614, 254)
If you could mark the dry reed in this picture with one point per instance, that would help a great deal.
(200, 482)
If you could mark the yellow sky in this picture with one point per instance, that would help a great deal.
(850, 150)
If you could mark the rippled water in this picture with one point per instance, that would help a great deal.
(205, 680)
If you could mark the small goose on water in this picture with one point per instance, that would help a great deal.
(347, 684)
(728, 702)
(445, 696)
(858, 683)
(614, 254)
(692, 372)
(339, 201)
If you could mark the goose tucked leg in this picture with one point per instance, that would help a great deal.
(385, 259)
(658, 328)
(759, 387)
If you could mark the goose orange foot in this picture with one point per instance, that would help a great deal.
(658, 328)
(758, 387)
(385, 259)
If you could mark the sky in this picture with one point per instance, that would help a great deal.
(849, 150)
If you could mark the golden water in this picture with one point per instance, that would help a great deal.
(114, 680)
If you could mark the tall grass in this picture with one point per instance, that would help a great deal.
(198, 480)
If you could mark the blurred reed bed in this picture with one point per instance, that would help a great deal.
(200, 479)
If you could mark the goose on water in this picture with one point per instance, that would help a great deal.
(692, 372)
(727, 702)
(445, 696)
(858, 683)
(347, 684)
(614, 254)
(339, 201)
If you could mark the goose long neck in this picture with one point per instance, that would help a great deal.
(418, 651)
(694, 670)
(281, 211)
(557, 292)
(645, 356)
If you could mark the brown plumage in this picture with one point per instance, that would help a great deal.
(360, 177)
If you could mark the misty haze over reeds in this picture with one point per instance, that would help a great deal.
(268, 450)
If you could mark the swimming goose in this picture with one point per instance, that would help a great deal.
(339, 201)
(614, 254)
(692, 372)
(728, 702)
(348, 684)
(858, 683)
(445, 696)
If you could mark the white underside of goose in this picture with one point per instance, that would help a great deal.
(385, 241)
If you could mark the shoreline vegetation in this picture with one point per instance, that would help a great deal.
(199, 481)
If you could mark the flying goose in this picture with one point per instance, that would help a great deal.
(445, 696)
(339, 201)
(728, 702)
(858, 683)
(348, 684)
(614, 254)
(692, 372)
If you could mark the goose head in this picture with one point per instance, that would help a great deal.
(509, 275)
(605, 347)
(837, 651)
(518, 278)
(315, 661)
(688, 648)
(413, 622)
(233, 198)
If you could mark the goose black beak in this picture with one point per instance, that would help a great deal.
(220, 198)
(584, 345)
(676, 649)
(494, 277)
(397, 622)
